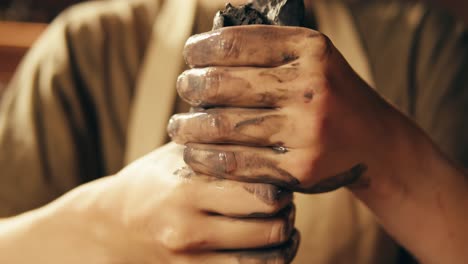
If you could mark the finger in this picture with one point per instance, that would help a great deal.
(292, 169)
(245, 233)
(259, 127)
(279, 167)
(283, 254)
(216, 232)
(244, 87)
(277, 255)
(231, 198)
(254, 45)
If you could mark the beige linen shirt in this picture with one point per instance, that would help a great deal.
(65, 118)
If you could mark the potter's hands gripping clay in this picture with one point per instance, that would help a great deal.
(280, 104)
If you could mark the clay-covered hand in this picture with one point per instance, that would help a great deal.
(280, 105)
(153, 212)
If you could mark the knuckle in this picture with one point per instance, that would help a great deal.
(324, 45)
(318, 82)
(218, 126)
(279, 232)
(174, 241)
(320, 45)
(213, 78)
(272, 197)
(210, 162)
(181, 240)
(230, 43)
(273, 207)
(227, 162)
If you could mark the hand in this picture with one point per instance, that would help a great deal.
(153, 212)
(280, 105)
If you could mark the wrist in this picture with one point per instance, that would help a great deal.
(397, 153)
(419, 195)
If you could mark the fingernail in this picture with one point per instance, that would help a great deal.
(191, 85)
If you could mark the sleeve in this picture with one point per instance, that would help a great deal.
(63, 118)
(441, 83)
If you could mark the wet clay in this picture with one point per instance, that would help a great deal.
(266, 12)
(239, 16)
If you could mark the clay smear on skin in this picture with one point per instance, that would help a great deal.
(267, 193)
(260, 130)
(201, 87)
(215, 126)
(282, 75)
(243, 166)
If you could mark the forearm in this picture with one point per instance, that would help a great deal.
(424, 204)
(55, 233)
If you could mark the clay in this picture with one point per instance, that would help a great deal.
(239, 16)
(266, 12)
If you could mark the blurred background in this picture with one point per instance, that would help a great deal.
(21, 23)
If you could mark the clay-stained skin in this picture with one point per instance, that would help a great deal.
(175, 123)
(184, 173)
(308, 95)
(268, 193)
(221, 87)
(262, 127)
(222, 47)
(200, 87)
(216, 126)
(282, 75)
(243, 166)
